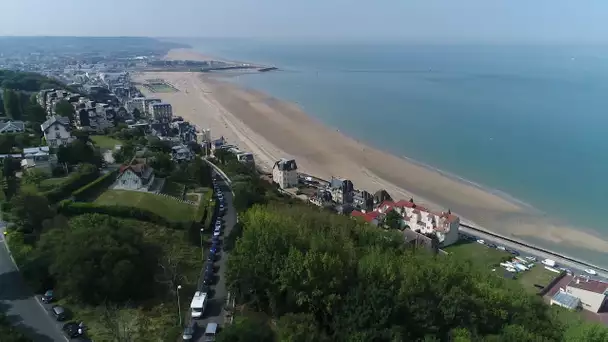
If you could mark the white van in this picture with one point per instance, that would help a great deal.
(197, 306)
(210, 332)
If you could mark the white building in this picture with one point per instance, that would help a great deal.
(56, 131)
(285, 173)
(160, 111)
(444, 225)
(136, 177)
(592, 293)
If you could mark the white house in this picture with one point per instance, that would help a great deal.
(57, 131)
(12, 127)
(444, 225)
(285, 173)
(137, 177)
(592, 293)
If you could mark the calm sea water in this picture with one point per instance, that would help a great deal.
(529, 121)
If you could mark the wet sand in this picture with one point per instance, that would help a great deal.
(272, 128)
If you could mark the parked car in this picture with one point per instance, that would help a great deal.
(189, 331)
(491, 245)
(59, 312)
(210, 332)
(72, 329)
(48, 296)
(502, 248)
(208, 278)
(211, 257)
(590, 271)
(216, 233)
(481, 241)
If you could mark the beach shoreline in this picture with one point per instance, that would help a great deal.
(271, 128)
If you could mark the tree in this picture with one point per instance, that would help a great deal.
(591, 332)
(200, 172)
(247, 194)
(223, 156)
(162, 164)
(29, 210)
(12, 106)
(100, 258)
(64, 108)
(9, 333)
(393, 219)
(79, 152)
(34, 177)
(247, 330)
(35, 113)
(299, 328)
(136, 114)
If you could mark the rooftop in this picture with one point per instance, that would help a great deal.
(286, 164)
(590, 285)
(566, 300)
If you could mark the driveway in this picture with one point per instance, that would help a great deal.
(214, 311)
(19, 304)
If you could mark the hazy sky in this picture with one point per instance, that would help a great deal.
(436, 20)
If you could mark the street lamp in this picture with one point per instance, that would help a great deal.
(179, 307)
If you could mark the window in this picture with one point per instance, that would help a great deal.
(56, 127)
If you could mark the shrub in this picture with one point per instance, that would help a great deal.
(95, 186)
(71, 208)
(85, 175)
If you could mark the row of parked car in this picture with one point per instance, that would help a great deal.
(61, 314)
(199, 302)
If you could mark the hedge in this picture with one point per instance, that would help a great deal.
(71, 208)
(74, 182)
(95, 186)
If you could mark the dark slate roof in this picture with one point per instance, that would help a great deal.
(286, 165)
(17, 124)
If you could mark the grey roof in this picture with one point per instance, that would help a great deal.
(34, 150)
(62, 120)
(20, 125)
(566, 300)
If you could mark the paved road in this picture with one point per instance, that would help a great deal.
(526, 251)
(214, 311)
(20, 305)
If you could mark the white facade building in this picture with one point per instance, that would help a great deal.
(592, 293)
(444, 225)
(285, 173)
(137, 177)
(56, 131)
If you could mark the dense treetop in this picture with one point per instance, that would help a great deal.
(27, 81)
(328, 277)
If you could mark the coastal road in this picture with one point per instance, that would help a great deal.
(215, 307)
(21, 306)
(538, 254)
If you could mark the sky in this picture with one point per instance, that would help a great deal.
(416, 20)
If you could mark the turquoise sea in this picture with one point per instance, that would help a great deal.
(529, 121)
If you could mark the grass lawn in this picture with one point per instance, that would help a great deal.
(168, 207)
(536, 275)
(174, 189)
(105, 142)
(51, 183)
(160, 88)
(486, 256)
(158, 316)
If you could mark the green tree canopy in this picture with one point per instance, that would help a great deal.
(79, 152)
(319, 272)
(29, 210)
(247, 330)
(64, 108)
(12, 106)
(393, 220)
(98, 258)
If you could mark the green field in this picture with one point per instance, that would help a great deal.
(160, 88)
(489, 257)
(536, 275)
(105, 142)
(166, 206)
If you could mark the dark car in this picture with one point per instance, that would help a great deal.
(208, 279)
(48, 296)
(59, 312)
(513, 252)
(491, 245)
(211, 257)
(72, 329)
(213, 250)
(189, 331)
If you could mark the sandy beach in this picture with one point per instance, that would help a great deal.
(271, 129)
